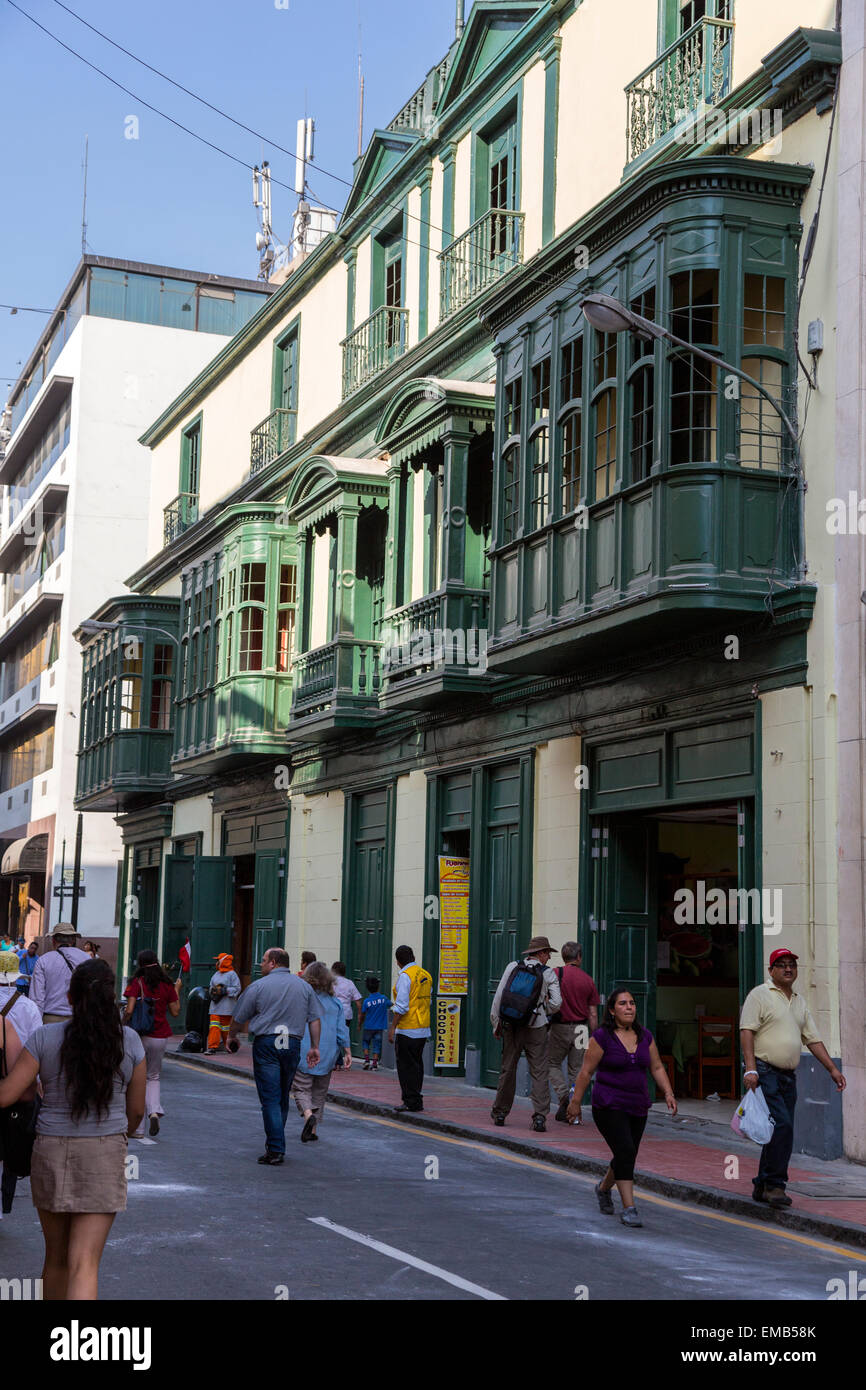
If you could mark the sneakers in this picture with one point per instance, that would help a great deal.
(374, 1066)
(497, 1117)
(366, 1066)
(562, 1112)
(630, 1217)
(309, 1130)
(153, 1129)
(605, 1200)
(539, 1125)
(271, 1159)
(777, 1197)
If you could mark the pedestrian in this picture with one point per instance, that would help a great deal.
(27, 964)
(224, 988)
(49, 985)
(374, 1018)
(621, 1054)
(307, 958)
(774, 1024)
(527, 994)
(409, 1028)
(92, 1072)
(151, 982)
(572, 1025)
(346, 991)
(25, 1019)
(310, 1086)
(277, 1009)
(91, 948)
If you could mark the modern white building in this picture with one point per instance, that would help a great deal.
(123, 340)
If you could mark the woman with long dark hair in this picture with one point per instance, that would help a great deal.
(623, 1054)
(151, 981)
(92, 1072)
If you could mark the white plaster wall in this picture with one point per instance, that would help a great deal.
(194, 814)
(532, 158)
(315, 876)
(556, 826)
(409, 862)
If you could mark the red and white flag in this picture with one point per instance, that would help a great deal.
(184, 957)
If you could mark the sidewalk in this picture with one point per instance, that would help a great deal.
(685, 1158)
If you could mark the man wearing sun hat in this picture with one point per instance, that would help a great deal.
(49, 986)
(774, 1026)
(526, 996)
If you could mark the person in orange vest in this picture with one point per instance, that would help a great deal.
(409, 1028)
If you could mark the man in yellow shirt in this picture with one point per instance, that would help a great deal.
(774, 1025)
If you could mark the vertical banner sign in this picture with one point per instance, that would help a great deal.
(453, 925)
(447, 1050)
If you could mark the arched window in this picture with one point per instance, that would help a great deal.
(763, 357)
(641, 393)
(286, 616)
(694, 383)
(604, 402)
(252, 617)
(539, 443)
(571, 423)
(511, 460)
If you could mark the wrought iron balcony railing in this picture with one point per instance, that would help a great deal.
(179, 515)
(482, 255)
(692, 74)
(373, 346)
(272, 437)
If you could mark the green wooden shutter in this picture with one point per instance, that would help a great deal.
(267, 904)
(211, 916)
(630, 953)
(177, 908)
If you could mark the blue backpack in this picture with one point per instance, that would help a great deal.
(521, 994)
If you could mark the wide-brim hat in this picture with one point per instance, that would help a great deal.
(9, 976)
(539, 943)
(65, 929)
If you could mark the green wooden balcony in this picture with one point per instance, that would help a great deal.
(482, 255)
(687, 551)
(373, 346)
(335, 686)
(435, 645)
(272, 437)
(179, 515)
(691, 75)
(126, 766)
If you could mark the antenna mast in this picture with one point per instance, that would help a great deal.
(360, 88)
(84, 201)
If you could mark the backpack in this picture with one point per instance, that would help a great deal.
(519, 1001)
(142, 1018)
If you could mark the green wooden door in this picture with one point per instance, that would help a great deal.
(367, 894)
(504, 907)
(750, 936)
(143, 935)
(211, 927)
(268, 898)
(177, 908)
(630, 925)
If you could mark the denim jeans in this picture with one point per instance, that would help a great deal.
(274, 1071)
(780, 1093)
(373, 1041)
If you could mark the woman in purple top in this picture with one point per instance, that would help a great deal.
(621, 1052)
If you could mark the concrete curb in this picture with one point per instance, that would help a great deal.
(674, 1188)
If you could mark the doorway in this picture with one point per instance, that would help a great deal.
(242, 915)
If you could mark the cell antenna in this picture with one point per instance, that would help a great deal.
(84, 201)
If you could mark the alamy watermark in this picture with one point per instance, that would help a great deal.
(734, 127)
(463, 647)
(716, 907)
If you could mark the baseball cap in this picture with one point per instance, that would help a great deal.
(778, 955)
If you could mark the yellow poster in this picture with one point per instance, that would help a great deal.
(453, 925)
(447, 1050)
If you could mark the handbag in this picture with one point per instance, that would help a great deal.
(18, 1121)
(143, 1014)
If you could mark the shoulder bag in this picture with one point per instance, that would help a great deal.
(18, 1121)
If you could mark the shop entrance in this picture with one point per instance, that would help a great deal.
(677, 924)
(242, 915)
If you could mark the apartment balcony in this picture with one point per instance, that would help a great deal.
(335, 687)
(435, 646)
(123, 768)
(373, 346)
(272, 437)
(690, 76)
(476, 260)
(179, 515)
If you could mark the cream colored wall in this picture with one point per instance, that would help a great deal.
(418, 484)
(315, 876)
(798, 841)
(363, 273)
(412, 275)
(462, 185)
(759, 25)
(556, 840)
(532, 159)
(323, 322)
(194, 814)
(409, 859)
(435, 233)
(321, 577)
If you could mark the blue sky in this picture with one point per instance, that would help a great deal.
(165, 197)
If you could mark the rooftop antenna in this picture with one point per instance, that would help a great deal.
(360, 89)
(305, 150)
(262, 201)
(84, 200)
(461, 19)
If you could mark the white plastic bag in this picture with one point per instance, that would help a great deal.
(755, 1120)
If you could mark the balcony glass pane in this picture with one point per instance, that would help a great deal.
(252, 639)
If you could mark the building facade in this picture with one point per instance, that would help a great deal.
(76, 496)
(492, 612)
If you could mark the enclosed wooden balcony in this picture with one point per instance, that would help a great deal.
(335, 687)
(434, 646)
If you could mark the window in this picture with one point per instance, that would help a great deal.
(511, 426)
(161, 686)
(694, 383)
(502, 187)
(605, 407)
(539, 441)
(641, 392)
(130, 692)
(252, 617)
(284, 394)
(27, 758)
(571, 396)
(286, 613)
(190, 460)
(763, 357)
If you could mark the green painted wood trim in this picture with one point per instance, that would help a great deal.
(196, 423)
(292, 330)
(385, 227)
(551, 131)
(351, 263)
(448, 157)
(508, 107)
(424, 183)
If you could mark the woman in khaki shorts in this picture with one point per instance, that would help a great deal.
(92, 1072)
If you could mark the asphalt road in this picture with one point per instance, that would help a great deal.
(451, 1219)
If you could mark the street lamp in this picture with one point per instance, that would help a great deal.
(91, 627)
(606, 314)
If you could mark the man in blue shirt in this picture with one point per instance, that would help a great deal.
(374, 1017)
(27, 964)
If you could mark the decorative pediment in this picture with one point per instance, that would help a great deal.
(384, 152)
(323, 479)
(416, 414)
(490, 29)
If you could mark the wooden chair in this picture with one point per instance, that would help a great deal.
(720, 1030)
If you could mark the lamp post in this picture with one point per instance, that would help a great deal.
(91, 627)
(606, 314)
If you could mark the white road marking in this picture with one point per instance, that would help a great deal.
(137, 1140)
(136, 1187)
(407, 1259)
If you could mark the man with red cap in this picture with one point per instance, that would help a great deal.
(774, 1025)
